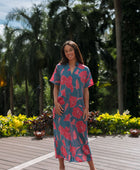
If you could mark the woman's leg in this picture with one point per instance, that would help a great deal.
(91, 165)
(61, 164)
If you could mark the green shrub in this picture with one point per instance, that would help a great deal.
(13, 125)
(112, 124)
(97, 124)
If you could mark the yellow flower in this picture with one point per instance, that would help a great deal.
(22, 117)
(10, 124)
(106, 115)
(17, 123)
(24, 131)
(133, 120)
(45, 77)
(127, 123)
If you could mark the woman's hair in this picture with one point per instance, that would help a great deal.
(78, 54)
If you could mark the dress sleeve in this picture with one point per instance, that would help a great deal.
(55, 79)
(89, 80)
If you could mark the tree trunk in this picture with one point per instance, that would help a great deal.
(11, 95)
(27, 97)
(117, 5)
(40, 92)
(5, 101)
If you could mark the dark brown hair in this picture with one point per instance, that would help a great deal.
(78, 54)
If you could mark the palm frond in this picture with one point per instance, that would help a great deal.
(54, 6)
(19, 15)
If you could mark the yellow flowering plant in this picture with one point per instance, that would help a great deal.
(98, 123)
(13, 125)
(112, 124)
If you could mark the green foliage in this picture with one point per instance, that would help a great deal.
(131, 51)
(112, 124)
(107, 84)
(43, 122)
(13, 125)
(36, 45)
(130, 34)
(19, 99)
(47, 95)
(105, 124)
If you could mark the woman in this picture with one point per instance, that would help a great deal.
(71, 79)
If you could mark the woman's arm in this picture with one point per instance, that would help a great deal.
(55, 93)
(58, 107)
(86, 102)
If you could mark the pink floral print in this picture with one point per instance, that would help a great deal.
(70, 129)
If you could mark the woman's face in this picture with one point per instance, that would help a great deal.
(69, 53)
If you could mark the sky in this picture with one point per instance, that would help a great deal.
(7, 5)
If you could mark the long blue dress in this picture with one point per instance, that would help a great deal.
(70, 129)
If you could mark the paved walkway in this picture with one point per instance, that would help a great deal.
(109, 153)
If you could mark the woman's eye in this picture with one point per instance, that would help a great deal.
(70, 50)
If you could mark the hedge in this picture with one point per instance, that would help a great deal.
(14, 125)
(112, 124)
(97, 124)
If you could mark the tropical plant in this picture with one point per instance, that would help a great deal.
(84, 23)
(33, 50)
(130, 50)
(105, 123)
(44, 122)
(9, 58)
(31, 44)
(13, 125)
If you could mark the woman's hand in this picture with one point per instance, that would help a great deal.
(58, 109)
(86, 114)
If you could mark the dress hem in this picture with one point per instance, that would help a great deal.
(73, 160)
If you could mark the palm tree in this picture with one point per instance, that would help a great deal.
(31, 36)
(22, 62)
(61, 25)
(3, 81)
(2, 63)
(63, 17)
(10, 61)
(78, 22)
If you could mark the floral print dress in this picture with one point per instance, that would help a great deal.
(70, 129)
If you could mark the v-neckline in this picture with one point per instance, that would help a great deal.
(73, 68)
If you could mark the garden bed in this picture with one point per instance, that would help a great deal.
(98, 123)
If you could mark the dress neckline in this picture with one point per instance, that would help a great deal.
(72, 70)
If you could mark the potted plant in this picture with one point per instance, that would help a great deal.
(134, 132)
(42, 125)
